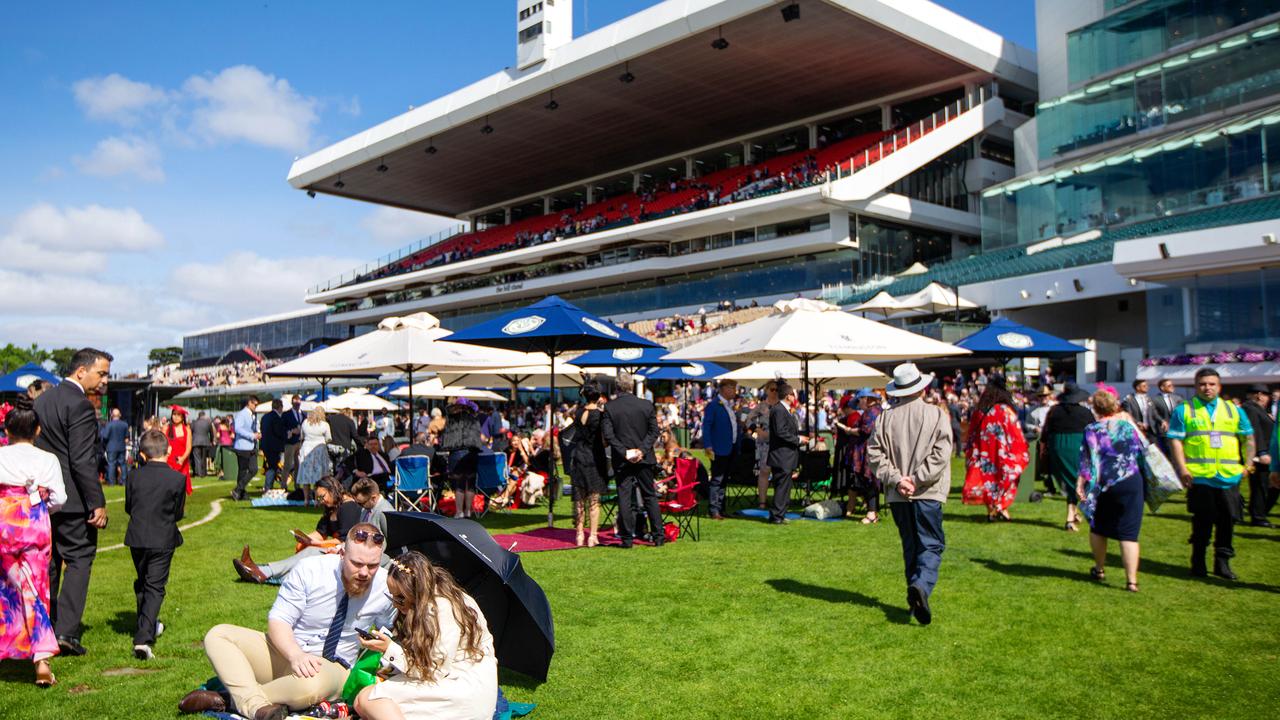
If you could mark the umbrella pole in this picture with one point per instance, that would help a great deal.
(410, 404)
(554, 480)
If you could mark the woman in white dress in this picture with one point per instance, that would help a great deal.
(316, 437)
(445, 667)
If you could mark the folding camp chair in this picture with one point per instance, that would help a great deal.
(815, 473)
(683, 508)
(491, 477)
(412, 482)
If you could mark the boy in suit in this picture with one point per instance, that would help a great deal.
(155, 499)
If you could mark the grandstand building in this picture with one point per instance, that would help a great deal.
(697, 152)
(273, 337)
(1146, 208)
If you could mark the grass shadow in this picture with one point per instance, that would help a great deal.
(124, 622)
(1177, 572)
(1024, 570)
(17, 671)
(512, 679)
(892, 613)
(1258, 536)
(1015, 520)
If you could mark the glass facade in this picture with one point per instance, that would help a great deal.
(1153, 28)
(1241, 69)
(1215, 311)
(888, 248)
(263, 337)
(1237, 162)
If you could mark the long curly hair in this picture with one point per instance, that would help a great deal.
(417, 626)
(995, 394)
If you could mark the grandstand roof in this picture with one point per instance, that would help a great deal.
(686, 95)
(262, 320)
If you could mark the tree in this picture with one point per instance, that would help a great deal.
(12, 357)
(164, 356)
(62, 360)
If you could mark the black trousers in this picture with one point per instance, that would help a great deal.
(721, 466)
(152, 568)
(1214, 513)
(200, 455)
(75, 545)
(781, 478)
(633, 477)
(1262, 497)
(246, 459)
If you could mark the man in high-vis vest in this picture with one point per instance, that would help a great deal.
(1212, 442)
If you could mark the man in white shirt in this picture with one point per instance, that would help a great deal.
(310, 643)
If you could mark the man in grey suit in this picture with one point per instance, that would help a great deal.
(201, 444)
(69, 430)
(630, 428)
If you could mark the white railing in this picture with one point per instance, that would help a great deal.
(387, 259)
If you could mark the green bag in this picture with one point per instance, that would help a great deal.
(363, 674)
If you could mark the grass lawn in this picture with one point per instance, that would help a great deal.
(806, 620)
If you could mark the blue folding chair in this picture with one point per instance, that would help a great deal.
(491, 476)
(412, 482)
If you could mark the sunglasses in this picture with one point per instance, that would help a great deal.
(364, 536)
(395, 599)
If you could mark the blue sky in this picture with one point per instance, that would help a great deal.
(145, 148)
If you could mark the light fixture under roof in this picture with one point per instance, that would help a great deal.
(339, 184)
(431, 146)
(626, 76)
(382, 167)
(720, 43)
(311, 193)
(487, 129)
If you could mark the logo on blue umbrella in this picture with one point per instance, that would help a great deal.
(627, 353)
(520, 326)
(599, 326)
(1014, 340)
(24, 381)
(694, 369)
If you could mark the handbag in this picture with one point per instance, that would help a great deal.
(1162, 480)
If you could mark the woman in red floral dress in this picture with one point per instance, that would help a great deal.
(995, 452)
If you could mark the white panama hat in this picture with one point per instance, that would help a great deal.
(907, 380)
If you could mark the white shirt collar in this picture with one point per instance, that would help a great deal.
(73, 382)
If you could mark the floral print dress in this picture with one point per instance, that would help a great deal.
(1112, 455)
(995, 458)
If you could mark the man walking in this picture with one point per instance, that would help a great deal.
(1262, 496)
(630, 428)
(784, 450)
(69, 430)
(720, 438)
(245, 446)
(201, 444)
(910, 454)
(1140, 408)
(292, 426)
(114, 435)
(1162, 410)
(272, 440)
(1211, 442)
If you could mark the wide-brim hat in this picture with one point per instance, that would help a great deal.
(1071, 393)
(907, 380)
(1044, 391)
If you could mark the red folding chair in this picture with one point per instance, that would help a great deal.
(682, 507)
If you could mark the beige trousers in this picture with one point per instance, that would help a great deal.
(257, 675)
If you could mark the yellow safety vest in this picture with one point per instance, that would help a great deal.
(1204, 460)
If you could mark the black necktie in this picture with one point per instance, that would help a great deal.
(335, 629)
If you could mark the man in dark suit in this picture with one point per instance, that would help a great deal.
(201, 444)
(372, 463)
(1141, 408)
(272, 444)
(1162, 407)
(1262, 497)
(784, 450)
(155, 498)
(69, 430)
(720, 438)
(630, 428)
(293, 419)
(113, 437)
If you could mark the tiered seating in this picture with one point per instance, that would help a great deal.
(1233, 214)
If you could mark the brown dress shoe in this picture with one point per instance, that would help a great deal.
(249, 572)
(271, 712)
(244, 556)
(198, 701)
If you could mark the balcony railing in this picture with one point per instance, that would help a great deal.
(387, 259)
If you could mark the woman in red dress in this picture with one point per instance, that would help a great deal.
(995, 452)
(179, 435)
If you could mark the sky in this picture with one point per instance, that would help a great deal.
(145, 147)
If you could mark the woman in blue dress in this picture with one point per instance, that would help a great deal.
(1111, 486)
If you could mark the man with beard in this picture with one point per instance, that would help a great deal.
(311, 641)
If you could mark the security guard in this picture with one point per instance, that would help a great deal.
(1211, 442)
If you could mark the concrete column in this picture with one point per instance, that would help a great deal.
(839, 221)
(688, 168)
(886, 117)
(635, 182)
(506, 215)
(591, 194)
(813, 135)
(746, 152)
(546, 204)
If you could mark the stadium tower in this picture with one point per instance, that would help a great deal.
(699, 151)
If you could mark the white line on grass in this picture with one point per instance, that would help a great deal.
(193, 489)
(214, 510)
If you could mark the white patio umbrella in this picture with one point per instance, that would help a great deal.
(534, 373)
(934, 298)
(882, 303)
(434, 388)
(357, 399)
(306, 407)
(409, 344)
(822, 373)
(917, 268)
(807, 330)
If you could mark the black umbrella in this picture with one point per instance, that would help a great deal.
(514, 606)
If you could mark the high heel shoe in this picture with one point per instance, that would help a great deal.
(577, 539)
(592, 540)
(44, 676)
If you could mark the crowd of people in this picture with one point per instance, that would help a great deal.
(890, 450)
(238, 373)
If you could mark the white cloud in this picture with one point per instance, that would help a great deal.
(54, 293)
(116, 97)
(74, 240)
(245, 284)
(243, 103)
(123, 156)
(389, 226)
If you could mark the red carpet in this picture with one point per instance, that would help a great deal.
(551, 539)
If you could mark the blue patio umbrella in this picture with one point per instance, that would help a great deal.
(386, 390)
(554, 327)
(18, 380)
(1005, 338)
(629, 358)
(691, 372)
